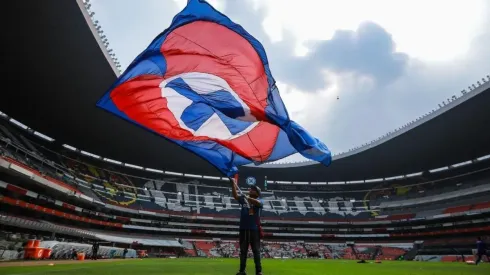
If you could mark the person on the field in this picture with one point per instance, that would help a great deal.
(481, 250)
(73, 254)
(95, 249)
(250, 228)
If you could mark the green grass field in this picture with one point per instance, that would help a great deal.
(229, 267)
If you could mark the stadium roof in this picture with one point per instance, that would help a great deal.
(58, 70)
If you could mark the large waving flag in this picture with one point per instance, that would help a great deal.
(205, 84)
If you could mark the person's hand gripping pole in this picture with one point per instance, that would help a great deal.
(236, 190)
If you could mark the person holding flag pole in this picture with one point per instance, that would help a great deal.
(250, 226)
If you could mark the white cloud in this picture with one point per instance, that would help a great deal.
(429, 30)
(217, 4)
(446, 43)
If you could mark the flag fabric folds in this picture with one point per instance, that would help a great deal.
(205, 84)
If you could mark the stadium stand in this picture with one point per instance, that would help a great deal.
(108, 203)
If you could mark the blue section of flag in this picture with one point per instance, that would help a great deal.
(205, 105)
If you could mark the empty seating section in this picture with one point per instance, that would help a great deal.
(175, 197)
(9, 255)
(204, 248)
(483, 205)
(285, 250)
(190, 252)
(361, 252)
(193, 196)
(349, 254)
(10, 247)
(219, 249)
(229, 249)
(456, 241)
(62, 250)
(457, 209)
(189, 248)
(200, 199)
(135, 198)
(321, 250)
(113, 237)
(273, 250)
(36, 225)
(390, 253)
(298, 250)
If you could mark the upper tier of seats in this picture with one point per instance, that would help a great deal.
(210, 196)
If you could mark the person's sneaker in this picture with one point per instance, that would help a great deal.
(260, 273)
(241, 273)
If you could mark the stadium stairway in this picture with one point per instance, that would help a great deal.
(194, 248)
(410, 255)
(189, 248)
(204, 247)
(376, 253)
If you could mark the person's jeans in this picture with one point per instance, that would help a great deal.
(252, 238)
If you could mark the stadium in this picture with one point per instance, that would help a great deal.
(67, 182)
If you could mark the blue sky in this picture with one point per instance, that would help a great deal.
(387, 61)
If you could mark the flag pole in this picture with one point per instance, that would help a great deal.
(235, 182)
